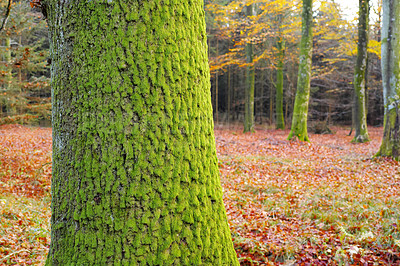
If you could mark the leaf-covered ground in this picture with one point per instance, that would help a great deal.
(327, 202)
(25, 172)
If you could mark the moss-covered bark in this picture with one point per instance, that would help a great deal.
(12, 103)
(360, 110)
(280, 120)
(216, 89)
(7, 54)
(300, 110)
(135, 175)
(391, 78)
(249, 86)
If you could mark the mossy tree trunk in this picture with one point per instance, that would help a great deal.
(7, 59)
(360, 110)
(391, 78)
(280, 120)
(249, 86)
(135, 175)
(229, 93)
(216, 88)
(300, 110)
(12, 103)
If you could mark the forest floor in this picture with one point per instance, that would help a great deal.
(328, 202)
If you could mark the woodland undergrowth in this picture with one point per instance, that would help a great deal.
(328, 202)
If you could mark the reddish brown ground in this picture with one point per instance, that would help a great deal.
(327, 202)
(321, 203)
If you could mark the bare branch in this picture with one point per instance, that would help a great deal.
(6, 15)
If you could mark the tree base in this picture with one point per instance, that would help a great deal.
(360, 139)
(301, 137)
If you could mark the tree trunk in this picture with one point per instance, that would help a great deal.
(216, 89)
(7, 59)
(249, 87)
(280, 122)
(229, 95)
(360, 110)
(391, 78)
(300, 110)
(271, 102)
(135, 175)
(12, 103)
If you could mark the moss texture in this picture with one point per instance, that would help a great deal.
(391, 79)
(280, 121)
(300, 110)
(360, 110)
(135, 175)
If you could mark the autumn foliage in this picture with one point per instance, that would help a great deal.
(328, 202)
(35, 3)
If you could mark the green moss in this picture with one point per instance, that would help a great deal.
(135, 179)
(280, 123)
(300, 110)
(360, 88)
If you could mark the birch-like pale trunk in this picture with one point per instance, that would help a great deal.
(391, 78)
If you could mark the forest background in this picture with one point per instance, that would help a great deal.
(276, 23)
(274, 30)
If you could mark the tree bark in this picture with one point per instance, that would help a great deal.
(300, 110)
(135, 175)
(229, 93)
(12, 103)
(391, 78)
(249, 87)
(216, 89)
(280, 121)
(360, 110)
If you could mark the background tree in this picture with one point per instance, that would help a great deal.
(24, 75)
(391, 78)
(235, 31)
(27, 99)
(135, 174)
(250, 77)
(334, 57)
(300, 111)
(280, 121)
(360, 78)
(281, 46)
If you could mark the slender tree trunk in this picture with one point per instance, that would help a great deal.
(7, 59)
(12, 105)
(216, 89)
(135, 174)
(280, 122)
(271, 103)
(391, 78)
(300, 110)
(229, 95)
(262, 89)
(286, 111)
(250, 77)
(360, 111)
